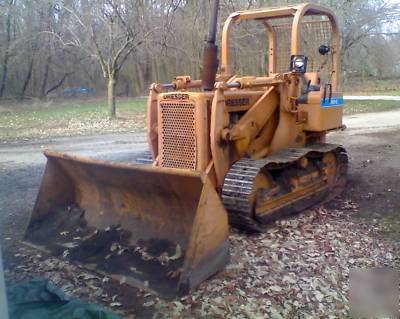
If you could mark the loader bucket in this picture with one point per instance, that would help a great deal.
(160, 229)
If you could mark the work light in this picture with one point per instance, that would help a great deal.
(298, 63)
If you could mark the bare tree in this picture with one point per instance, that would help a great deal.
(109, 31)
(361, 21)
(124, 45)
(4, 76)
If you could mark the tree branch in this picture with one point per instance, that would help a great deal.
(130, 45)
(56, 86)
(99, 55)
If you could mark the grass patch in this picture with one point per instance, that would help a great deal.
(372, 86)
(354, 106)
(368, 93)
(390, 226)
(39, 120)
(69, 117)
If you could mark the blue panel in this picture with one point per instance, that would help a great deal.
(332, 102)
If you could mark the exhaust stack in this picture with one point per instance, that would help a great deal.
(210, 56)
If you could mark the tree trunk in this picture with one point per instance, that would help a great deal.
(7, 53)
(27, 80)
(58, 84)
(111, 97)
(45, 77)
(5, 73)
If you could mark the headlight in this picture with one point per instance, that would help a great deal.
(298, 63)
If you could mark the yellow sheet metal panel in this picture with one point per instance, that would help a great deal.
(325, 114)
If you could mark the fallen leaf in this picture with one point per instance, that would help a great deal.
(149, 304)
(178, 253)
(133, 269)
(70, 245)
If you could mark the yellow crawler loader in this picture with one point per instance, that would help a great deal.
(226, 149)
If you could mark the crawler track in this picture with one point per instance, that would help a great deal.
(238, 187)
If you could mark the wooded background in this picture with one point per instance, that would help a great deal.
(48, 46)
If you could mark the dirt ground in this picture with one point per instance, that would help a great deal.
(369, 207)
(373, 144)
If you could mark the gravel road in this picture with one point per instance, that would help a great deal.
(373, 97)
(123, 147)
(107, 147)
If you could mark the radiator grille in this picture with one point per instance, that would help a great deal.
(178, 136)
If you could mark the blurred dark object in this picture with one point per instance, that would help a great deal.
(78, 91)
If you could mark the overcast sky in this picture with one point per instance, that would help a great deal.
(395, 26)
